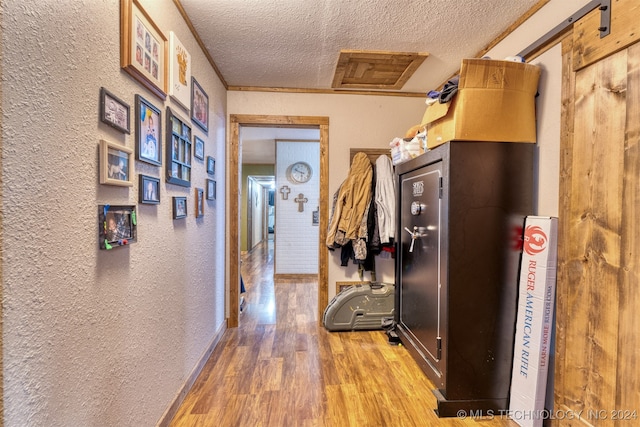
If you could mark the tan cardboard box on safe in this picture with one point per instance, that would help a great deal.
(495, 102)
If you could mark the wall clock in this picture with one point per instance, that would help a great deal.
(299, 172)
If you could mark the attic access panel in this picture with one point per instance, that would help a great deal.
(359, 69)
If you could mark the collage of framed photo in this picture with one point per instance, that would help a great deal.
(162, 66)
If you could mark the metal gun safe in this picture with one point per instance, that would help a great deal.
(461, 209)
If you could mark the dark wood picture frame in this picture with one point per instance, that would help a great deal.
(179, 207)
(211, 189)
(211, 165)
(178, 150)
(199, 202)
(199, 105)
(148, 132)
(198, 147)
(114, 111)
(148, 189)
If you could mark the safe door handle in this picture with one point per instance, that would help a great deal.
(414, 236)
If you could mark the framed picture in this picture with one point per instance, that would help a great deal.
(211, 189)
(148, 132)
(199, 105)
(114, 111)
(143, 48)
(178, 152)
(116, 164)
(211, 165)
(117, 226)
(179, 71)
(149, 189)
(198, 148)
(179, 207)
(199, 202)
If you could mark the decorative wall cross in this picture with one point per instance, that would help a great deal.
(285, 190)
(300, 200)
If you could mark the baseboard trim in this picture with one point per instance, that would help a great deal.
(171, 411)
(295, 276)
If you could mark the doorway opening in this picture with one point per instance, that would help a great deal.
(236, 123)
(259, 216)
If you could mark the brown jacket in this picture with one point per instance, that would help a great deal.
(351, 203)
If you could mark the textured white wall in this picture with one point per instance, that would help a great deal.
(90, 337)
(547, 186)
(296, 245)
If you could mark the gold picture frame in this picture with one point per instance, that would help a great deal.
(143, 48)
(116, 164)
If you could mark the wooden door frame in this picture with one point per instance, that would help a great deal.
(233, 177)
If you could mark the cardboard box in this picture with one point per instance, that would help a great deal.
(495, 102)
(534, 325)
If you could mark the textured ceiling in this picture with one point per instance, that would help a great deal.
(296, 43)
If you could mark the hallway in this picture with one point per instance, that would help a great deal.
(281, 368)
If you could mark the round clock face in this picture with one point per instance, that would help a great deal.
(299, 172)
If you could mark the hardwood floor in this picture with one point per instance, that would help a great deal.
(282, 368)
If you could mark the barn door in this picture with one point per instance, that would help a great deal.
(599, 223)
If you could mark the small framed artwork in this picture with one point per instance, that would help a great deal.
(211, 189)
(178, 152)
(198, 148)
(199, 105)
(199, 202)
(116, 164)
(211, 165)
(117, 226)
(149, 189)
(148, 132)
(143, 48)
(114, 111)
(179, 71)
(179, 207)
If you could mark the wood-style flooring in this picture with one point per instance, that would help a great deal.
(282, 368)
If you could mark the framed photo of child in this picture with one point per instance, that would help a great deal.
(148, 132)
